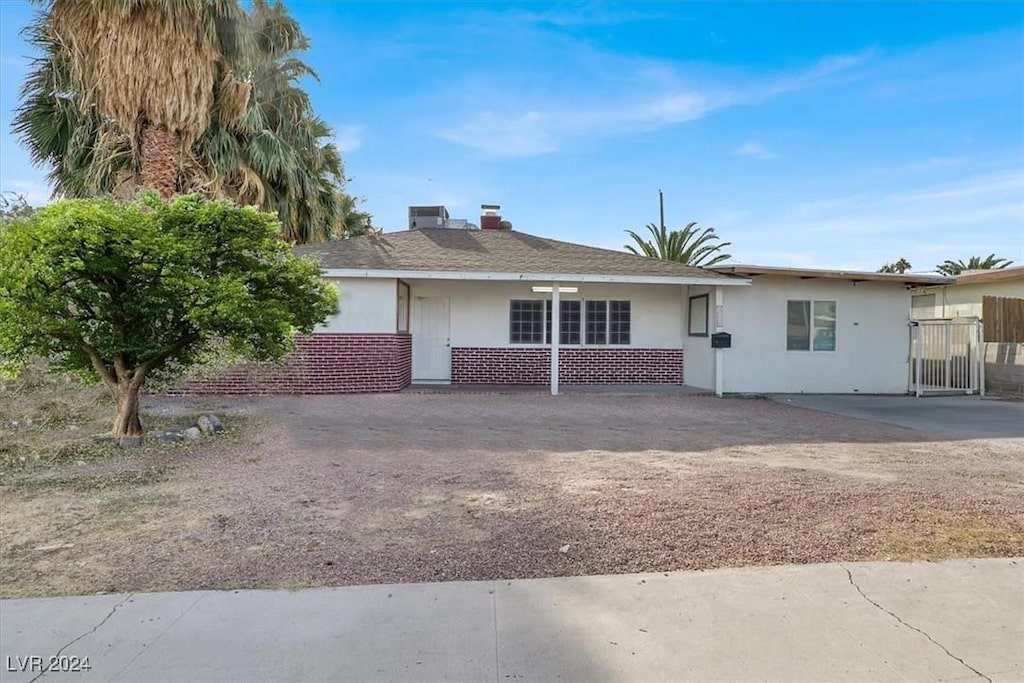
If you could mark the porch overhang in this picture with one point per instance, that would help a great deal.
(710, 281)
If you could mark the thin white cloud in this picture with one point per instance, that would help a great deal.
(348, 138)
(654, 98)
(935, 162)
(955, 219)
(955, 69)
(754, 150)
(585, 14)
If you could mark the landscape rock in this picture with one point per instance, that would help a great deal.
(129, 441)
(564, 549)
(172, 435)
(192, 434)
(208, 424)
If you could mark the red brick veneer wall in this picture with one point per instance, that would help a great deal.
(323, 363)
(576, 365)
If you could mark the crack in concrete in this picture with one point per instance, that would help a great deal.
(87, 633)
(160, 635)
(942, 647)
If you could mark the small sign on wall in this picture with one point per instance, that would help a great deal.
(721, 340)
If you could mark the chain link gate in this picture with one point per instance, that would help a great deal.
(947, 356)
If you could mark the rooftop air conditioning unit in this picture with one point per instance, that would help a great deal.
(428, 217)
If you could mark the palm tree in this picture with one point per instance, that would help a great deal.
(146, 72)
(254, 139)
(990, 262)
(352, 222)
(900, 266)
(280, 155)
(688, 246)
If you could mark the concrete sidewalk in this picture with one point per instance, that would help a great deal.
(949, 621)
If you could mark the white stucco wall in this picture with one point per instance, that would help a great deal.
(480, 310)
(957, 301)
(368, 306)
(872, 338)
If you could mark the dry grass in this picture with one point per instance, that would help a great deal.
(47, 417)
(941, 534)
(69, 504)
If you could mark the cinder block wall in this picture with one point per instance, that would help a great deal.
(576, 365)
(324, 363)
(1004, 368)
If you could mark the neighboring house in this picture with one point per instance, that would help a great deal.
(1002, 319)
(962, 297)
(444, 305)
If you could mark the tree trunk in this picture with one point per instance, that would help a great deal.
(159, 160)
(126, 412)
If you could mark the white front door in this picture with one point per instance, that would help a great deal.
(431, 341)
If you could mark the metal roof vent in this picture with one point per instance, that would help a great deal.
(428, 217)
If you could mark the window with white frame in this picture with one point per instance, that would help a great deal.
(810, 325)
(580, 322)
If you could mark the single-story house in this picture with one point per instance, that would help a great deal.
(962, 298)
(460, 306)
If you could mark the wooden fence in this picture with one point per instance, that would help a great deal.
(1003, 319)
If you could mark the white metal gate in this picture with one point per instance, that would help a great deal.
(947, 356)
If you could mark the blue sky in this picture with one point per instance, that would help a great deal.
(817, 135)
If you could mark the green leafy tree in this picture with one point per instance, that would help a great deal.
(690, 245)
(900, 266)
(990, 262)
(180, 96)
(116, 292)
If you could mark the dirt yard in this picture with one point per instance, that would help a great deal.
(338, 490)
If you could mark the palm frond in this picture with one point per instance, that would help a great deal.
(687, 245)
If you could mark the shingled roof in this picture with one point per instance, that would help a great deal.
(488, 251)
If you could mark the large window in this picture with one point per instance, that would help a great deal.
(586, 322)
(810, 325)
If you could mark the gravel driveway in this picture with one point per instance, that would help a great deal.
(334, 490)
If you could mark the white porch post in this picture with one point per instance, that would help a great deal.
(719, 327)
(555, 334)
